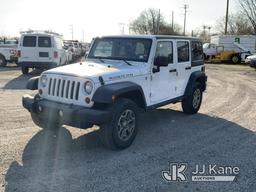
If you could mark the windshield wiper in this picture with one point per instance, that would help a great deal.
(127, 62)
(101, 60)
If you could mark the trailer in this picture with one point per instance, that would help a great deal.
(230, 48)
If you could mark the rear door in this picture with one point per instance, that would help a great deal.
(45, 48)
(29, 50)
(183, 66)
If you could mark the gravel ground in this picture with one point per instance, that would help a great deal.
(223, 133)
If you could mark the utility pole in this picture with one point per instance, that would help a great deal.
(186, 6)
(204, 32)
(82, 36)
(158, 22)
(72, 31)
(209, 28)
(226, 23)
(121, 27)
(172, 20)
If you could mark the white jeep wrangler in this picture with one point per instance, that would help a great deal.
(120, 75)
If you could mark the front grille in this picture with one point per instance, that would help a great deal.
(67, 89)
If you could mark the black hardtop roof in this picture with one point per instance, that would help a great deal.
(153, 36)
(175, 37)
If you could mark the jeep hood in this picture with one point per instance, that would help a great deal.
(92, 70)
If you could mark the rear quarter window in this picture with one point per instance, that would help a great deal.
(29, 41)
(44, 42)
(197, 51)
(183, 51)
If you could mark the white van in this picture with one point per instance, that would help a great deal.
(43, 50)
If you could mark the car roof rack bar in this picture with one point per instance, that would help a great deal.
(40, 31)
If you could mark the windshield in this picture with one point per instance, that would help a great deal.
(132, 49)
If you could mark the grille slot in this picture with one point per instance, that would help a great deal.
(50, 86)
(53, 87)
(65, 89)
(77, 90)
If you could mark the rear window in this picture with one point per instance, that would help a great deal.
(29, 41)
(44, 42)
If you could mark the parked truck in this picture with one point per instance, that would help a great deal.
(8, 53)
(229, 48)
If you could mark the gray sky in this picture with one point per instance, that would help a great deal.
(99, 17)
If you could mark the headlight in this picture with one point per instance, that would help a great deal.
(88, 87)
(43, 80)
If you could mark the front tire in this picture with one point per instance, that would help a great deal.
(3, 61)
(120, 132)
(192, 103)
(50, 124)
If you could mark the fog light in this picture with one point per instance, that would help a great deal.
(87, 100)
(61, 113)
(40, 91)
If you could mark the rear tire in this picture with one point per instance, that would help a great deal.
(192, 103)
(3, 61)
(121, 130)
(236, 59)
(24, 70)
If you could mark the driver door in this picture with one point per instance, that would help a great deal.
(162, 87)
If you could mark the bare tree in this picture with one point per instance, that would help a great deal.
(237, 25)
(249, 9)
(151, 21)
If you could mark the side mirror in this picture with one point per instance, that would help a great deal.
(161, 61)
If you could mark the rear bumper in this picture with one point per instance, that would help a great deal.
(39, 65)
(72, 115)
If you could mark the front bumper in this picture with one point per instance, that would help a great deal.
(72, 115)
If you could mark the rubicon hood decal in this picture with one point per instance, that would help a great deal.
(93, 70)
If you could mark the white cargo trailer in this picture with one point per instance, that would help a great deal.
(242, 45)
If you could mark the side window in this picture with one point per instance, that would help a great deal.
(29, 41)
(44, 42)
(183, 51)
(212, 46)
(165, 49)
(197, 51)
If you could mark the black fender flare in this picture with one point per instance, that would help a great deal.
(32, 83)
(197, 76)
(107, 93)
(2, 56)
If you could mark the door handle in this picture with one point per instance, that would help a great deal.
(173, 70)
(188, 68)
